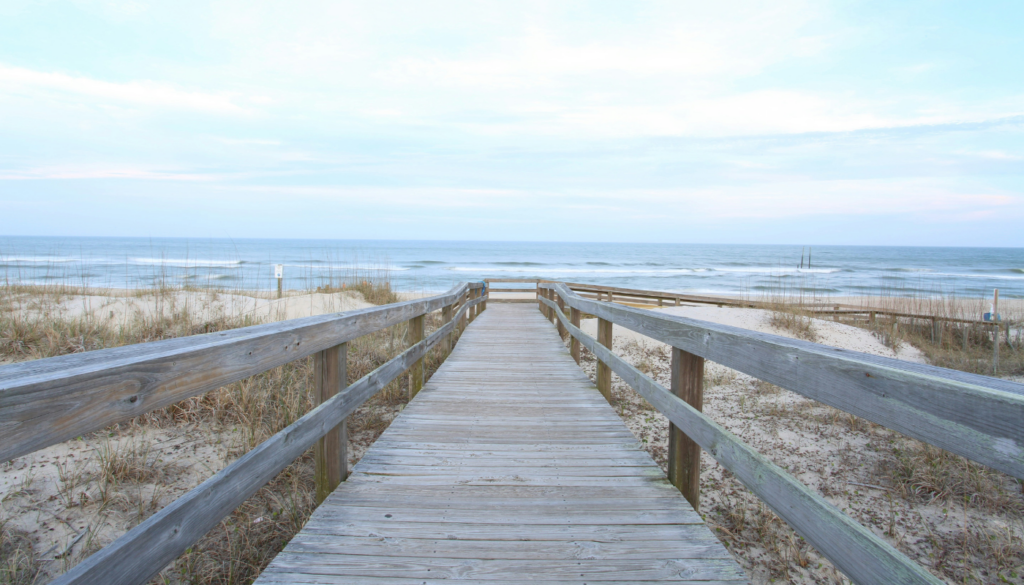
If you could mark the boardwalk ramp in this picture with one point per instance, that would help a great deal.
(509, 466)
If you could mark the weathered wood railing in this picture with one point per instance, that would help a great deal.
(974, 416)
(48, 401)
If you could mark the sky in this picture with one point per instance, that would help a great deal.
(784, 121)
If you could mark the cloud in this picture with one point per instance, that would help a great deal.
(139, 93)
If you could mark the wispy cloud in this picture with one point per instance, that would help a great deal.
(137, 93)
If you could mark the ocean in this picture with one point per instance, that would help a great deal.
(437, 265)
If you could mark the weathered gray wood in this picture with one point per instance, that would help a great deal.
(146, 549)
(561, 309)
(604, 373)
(507, 467)
(683, 452)
(330, 369)
(971, 415)
(47, 401)
(855, 550)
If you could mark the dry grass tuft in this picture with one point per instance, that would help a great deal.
(18, 563)
(926, 473)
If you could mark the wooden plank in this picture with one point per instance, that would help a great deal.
(51, 400)
(683, 452)
(855, 550)
(146, 549)
(975, 416)
(330, 454)
(294, 563)
(506, 467)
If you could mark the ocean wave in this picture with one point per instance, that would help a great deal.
(38, 259)
(759, 270)
(335, 267)
(571, 270)
(187, 262)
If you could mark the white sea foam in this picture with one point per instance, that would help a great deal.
(187, 262)
(37, 259)
(534, 270)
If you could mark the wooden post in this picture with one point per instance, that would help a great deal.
(472, 310)
(279, 275)
(551, 312)
(995, 332)
(661, 302)
(965, 331)
(446, 317)
(574, 344)
(330, 453)
(683, 453)
(558, 318)
(604, 373)
(414, 335)
(934, 330)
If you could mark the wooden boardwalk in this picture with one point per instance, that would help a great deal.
(509, 466)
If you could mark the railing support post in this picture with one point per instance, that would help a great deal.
(558, 318)
(604, 373)
(331, 451)
(446, 317)
(414, 335)
(683, 453)
(574, 344)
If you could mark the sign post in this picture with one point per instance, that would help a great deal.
(279, 275)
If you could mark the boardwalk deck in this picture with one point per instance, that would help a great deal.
(509, 466)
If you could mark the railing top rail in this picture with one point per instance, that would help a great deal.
(975, 416)
(46, 401)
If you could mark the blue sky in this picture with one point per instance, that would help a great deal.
(744, 122)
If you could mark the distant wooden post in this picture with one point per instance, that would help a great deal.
(486, 292)
(551, 312)
(683, 453)
(558, 318)
(574, 344)
(604, 373)
(279, 275)
(995, 332)
(330, 453)
(414, 335)
(446, 317)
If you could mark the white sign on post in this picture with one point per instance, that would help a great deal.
(279, 271)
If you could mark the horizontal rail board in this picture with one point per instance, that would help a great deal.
(971, 415)
(47, 401)
(145, 550)
(857, 552)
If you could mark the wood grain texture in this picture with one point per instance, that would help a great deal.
(330, 454)
(683, 453)
(975, 416)
(506, 468)
(51, 400)
(855, 550)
